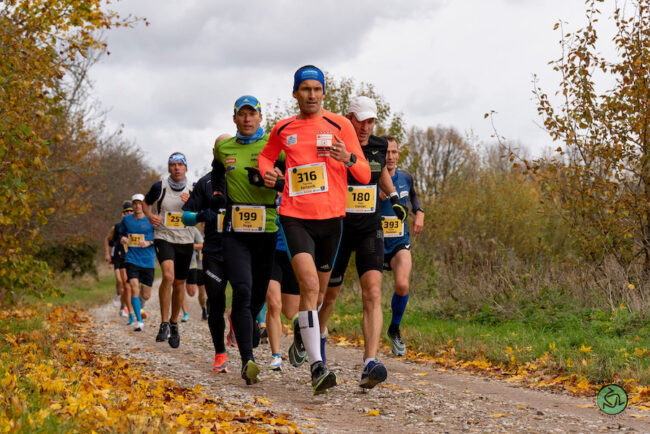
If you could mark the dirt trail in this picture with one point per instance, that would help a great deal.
(415, 398)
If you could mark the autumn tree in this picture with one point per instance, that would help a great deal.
(338, 93)
(599, 177)
(40, 41)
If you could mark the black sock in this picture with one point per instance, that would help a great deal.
(393, 328)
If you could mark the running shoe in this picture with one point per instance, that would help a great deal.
(250, 372)
(131, 319)
(220, 363)
(276, 363)
(143, 314)
(297, 337)
(163, 332)
(230, 337)
(139, 327)
(174, 338)
(186, 317)
(321, 378)
(373, 374)
(204, 314)
(116, 301)
(296, 358)
(124, 312)
(399, 348)
(264, 335)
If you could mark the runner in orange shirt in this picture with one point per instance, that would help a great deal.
(320, 148)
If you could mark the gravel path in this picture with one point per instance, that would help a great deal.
(416, 398)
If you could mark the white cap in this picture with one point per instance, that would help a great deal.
(137, 196)
(363, 108)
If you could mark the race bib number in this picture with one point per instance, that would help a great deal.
(173, 220)
(248, 218)
(135, 240)
(361, 199)
(392, 226)
(221, 216)
(307, 179)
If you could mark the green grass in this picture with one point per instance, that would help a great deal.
(570, 339)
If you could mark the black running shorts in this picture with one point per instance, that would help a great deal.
(282, 272)
(369, 248)
(389, 256)
(181, 254)
(195, 277)
(143, 275)
(319, 238)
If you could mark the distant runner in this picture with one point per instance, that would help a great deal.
(320, 148)
(397, 243)
(115, 254)
(174, 243)
(138, 233)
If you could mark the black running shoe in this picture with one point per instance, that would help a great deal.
(321, 378)
(296, 358)
(174, 338)
(163, 332)
(250, 372)
(204, 314)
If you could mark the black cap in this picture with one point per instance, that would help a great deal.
(126, 206)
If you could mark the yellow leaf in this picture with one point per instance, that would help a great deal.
(639, 416)
(631, 287)
(585, 349)
(421, 374)
(372, 413)
(182, 420)
(498, 415)
(585, 406)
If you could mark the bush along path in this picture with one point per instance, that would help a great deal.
(421, 394)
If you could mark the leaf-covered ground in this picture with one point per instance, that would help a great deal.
(52, 380)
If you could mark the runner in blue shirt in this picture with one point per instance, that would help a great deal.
(397, 242)
(137, 234)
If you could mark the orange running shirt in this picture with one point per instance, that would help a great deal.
(315, 184)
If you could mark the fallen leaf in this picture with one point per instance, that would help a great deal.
(372, 413)
(498, 415)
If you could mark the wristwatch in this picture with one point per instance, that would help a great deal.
(353, 159)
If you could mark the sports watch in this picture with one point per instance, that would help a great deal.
(353, 159)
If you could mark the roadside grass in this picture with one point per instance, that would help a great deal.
(53, 378)
(541, 340)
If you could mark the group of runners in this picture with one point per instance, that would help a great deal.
(282, 214)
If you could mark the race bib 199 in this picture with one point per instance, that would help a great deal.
(135, 240)
(392, 226)
(248, 218)
(307, 179)
(361, 199)
(173, 220)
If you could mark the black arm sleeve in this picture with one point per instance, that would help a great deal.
(154, 193)
(413, 196)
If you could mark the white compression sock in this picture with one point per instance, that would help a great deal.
(310, 333)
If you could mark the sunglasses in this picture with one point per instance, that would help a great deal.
(127, 211)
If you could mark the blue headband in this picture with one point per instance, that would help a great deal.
(308, 73)
(177, 157)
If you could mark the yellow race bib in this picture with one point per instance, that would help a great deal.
(361, 199)
(173, 220)
(392, 226)
(135, 240)
(307, 179)
(221, 216)
(248, 218)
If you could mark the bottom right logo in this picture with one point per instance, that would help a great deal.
(612, 399)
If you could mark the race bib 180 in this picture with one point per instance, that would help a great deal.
(361, 199)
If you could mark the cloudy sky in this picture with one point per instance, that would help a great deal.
(440, 62)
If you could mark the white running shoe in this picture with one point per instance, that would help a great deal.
(124, 312)
(139, 327)
(116, 301)
(276, 363)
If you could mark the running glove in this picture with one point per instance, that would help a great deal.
(217, 201)
(189, 218)
(255, 177)
(398, 208)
